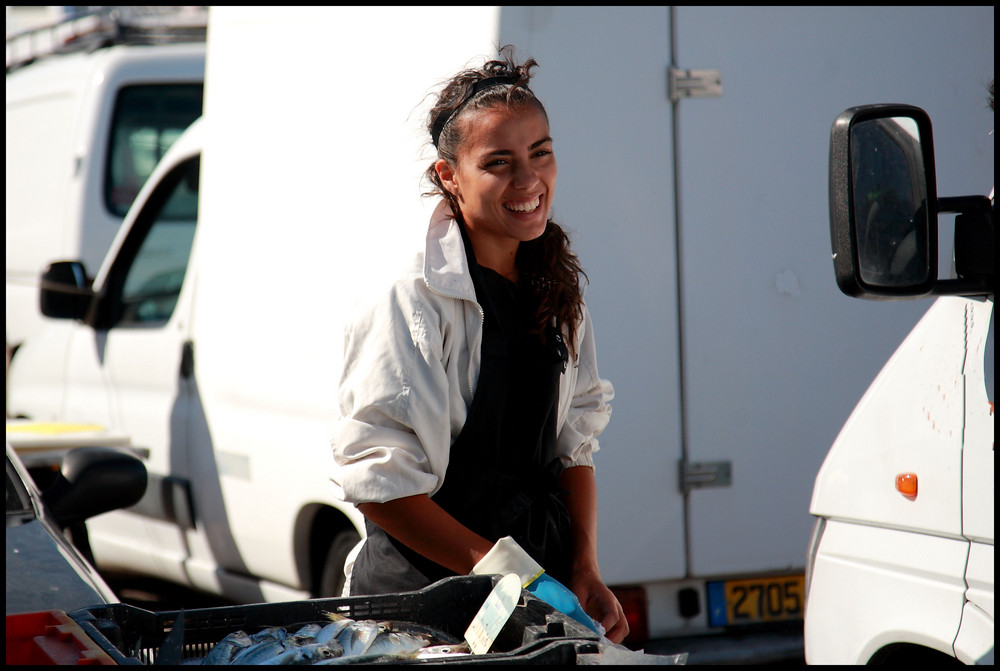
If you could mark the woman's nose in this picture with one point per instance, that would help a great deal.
(525, 175)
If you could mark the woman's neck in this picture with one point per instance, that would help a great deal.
(500, 258)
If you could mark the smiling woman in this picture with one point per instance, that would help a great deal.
(470, 400)
(503, 179)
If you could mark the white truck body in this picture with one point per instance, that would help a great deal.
(77, 153)
(889, 569)
(700, 222)
(901, 563)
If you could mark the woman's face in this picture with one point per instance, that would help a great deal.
(504, 179)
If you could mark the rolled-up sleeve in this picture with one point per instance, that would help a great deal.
(589, 409)
(384, 447)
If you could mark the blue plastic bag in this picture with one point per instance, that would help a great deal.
(557, 595)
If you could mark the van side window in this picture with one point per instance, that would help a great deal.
(147, 119)
(151, 283)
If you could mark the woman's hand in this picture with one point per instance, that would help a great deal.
(597, 600)
(601, 604)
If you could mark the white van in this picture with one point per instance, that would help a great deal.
(86, 123)
(901, 559)
(238, 500)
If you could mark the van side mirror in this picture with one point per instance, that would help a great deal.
(65, 291)
(884, 209)
(92, 481)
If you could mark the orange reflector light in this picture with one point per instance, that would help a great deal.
(906, 484)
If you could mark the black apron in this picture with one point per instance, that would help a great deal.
(502, 476)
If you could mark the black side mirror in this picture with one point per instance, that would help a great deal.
(884, 209)
(95, 480)
(65, 291)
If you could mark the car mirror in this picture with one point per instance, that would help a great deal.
(883, 202)
(94, 480)
(65, 291)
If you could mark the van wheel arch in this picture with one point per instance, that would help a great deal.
(908, 653)
(331, 581)
(332, 535)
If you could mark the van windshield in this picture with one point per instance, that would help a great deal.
(147, 119)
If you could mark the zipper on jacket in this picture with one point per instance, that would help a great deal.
(478, 340)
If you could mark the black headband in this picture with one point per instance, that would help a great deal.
(481, 85)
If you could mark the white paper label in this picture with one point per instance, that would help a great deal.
(493, 614)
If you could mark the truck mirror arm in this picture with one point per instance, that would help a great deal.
(974, 250)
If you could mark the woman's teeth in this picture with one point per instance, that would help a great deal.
(524, 207)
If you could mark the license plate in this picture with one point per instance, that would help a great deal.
(755, 600)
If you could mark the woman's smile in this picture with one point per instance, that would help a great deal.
(528, 206)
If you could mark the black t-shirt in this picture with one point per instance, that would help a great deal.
(528, 426)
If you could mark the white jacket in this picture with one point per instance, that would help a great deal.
(411, 364)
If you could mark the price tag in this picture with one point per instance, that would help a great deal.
(493, 614)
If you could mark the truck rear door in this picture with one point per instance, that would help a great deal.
(703, 223)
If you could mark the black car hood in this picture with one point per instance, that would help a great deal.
(41, 575)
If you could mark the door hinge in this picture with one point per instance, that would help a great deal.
(683, 83)
(695, 475)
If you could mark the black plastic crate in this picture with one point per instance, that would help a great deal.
(535, 633)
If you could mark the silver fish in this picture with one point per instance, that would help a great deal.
(306, 654)
(269, 634)
(356, 637)
(223, 651)
(341, 641)
(433, 652)
(358, 659)
(304, 636)
(332, 630)
(433, 635)
(439, 651)
(396, 643)
(258, 653)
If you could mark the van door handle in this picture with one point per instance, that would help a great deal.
(187, 360)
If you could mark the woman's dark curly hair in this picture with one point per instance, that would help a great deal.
(547, 262)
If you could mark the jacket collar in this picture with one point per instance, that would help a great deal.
(446, 268)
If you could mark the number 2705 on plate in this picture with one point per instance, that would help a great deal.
(755, 600)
